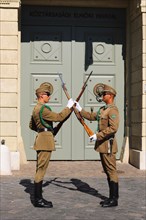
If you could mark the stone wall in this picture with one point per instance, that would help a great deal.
(137, 102)
(9, 53)
(10, 77)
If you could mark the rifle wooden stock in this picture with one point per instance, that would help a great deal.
(86, 128)
(78, 115)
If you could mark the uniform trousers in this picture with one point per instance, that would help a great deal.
(43, 158)
(109, 166)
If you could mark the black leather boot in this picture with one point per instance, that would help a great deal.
(113, 200)
(110, 193)
(39, 201)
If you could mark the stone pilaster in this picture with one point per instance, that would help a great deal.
(10, 73)
(137, 105)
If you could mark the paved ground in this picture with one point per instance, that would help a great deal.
(75, 188)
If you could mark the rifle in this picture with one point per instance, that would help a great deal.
(78, 115)
(83, 88)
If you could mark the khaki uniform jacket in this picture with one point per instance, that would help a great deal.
(108, 123)
(45, 140)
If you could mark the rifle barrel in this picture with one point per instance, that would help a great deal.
(83, 88)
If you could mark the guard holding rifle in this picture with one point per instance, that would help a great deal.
(42, 122)
(105, 141)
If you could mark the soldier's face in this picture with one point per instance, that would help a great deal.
(46, 98)
(106, 96)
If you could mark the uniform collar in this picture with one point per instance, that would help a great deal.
(108, 106)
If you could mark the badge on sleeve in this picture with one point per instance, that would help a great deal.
(113, 116)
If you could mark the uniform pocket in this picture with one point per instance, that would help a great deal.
(103, 122)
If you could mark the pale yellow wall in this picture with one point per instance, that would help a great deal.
(9, 73)
(144, 77)
(137, 102)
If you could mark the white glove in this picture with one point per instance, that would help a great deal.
(70, 103)
(93, 138)
(78, 106)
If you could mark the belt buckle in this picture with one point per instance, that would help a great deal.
(45, 129)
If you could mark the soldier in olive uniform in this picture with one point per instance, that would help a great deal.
(42, 122)
(105, 142)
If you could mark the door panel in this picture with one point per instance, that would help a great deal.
(45, 54)
(98, 50)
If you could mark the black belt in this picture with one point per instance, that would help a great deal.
(44, 129)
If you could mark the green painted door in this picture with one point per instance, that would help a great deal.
(99, 50)
(73, 48)
(45, 54)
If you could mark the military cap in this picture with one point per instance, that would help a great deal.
(45, 88)
(40, 90)
(100, 88)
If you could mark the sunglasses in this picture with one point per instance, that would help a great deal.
(105, 93)
(47, 93)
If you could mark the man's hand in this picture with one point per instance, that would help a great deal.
(78, 106)
(93, 138)
(70, 103)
